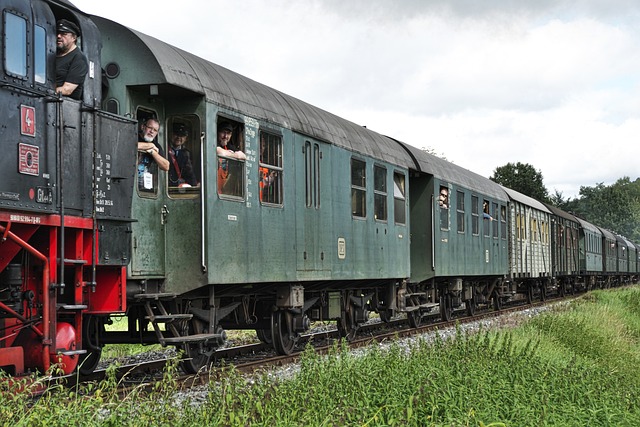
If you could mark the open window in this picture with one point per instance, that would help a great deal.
(184, 155)
(147, 168)
(231, 158)
(270, 169)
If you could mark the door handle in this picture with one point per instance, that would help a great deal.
(164, 214)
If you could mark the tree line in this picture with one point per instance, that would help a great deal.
(615, 207)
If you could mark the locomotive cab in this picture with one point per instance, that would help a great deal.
(64, 180)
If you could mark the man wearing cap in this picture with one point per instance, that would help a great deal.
(181, 168)
(71, 64)
(226, 149)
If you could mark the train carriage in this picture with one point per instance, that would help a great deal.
(330, 242)
(458, 235)
(591, 254)
(530, 269)
(564, 248)
(610, 257)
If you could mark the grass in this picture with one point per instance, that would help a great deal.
(571, 368)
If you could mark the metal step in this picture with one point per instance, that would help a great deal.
(159, 296)
(72, 307)
(75, 261)
(72, 352)
(168, 318)
(192, 338)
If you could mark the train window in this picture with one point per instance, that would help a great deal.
(183, 153)
(503, 222)
(148, 127)
(475, 218)
(443, 202)
(460, 211)
(312, 156)
(15, 44)
(534, 230)
(40, 55)
(270, 169)
(494, 218)
(486, 218)
(380, 193)
(399, 199)
(358, 188)
(231, 159)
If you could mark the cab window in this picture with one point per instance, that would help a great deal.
(15, 44)
(231, 158)
(184, 154)
(40, 55)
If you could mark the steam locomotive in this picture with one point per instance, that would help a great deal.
(320, 219)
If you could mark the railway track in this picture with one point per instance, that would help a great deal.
(254, 357)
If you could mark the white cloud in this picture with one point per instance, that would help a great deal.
(552, 83)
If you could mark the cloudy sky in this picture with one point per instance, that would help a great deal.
(552, 83)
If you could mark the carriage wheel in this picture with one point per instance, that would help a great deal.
(497, 302)
(284, 339)
(529, 294)
(198, 354)
(445, 307)
(472, 304)
(415, 318)
(347, 327)
(264, 335)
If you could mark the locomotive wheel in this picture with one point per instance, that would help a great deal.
(415, 318)
(91, 330)
(284, 339)
(445, 307)
(264, 335)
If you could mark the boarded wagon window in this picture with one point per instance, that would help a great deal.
(270, 169)
(380, 193)
(399, 204)
(358, 188)
(460, 210)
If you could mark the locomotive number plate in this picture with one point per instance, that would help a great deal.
(44, 195)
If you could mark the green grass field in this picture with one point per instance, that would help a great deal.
(575, 367)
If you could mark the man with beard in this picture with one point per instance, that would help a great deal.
(149, 152)
(71, 64)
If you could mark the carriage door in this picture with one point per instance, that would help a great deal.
(313, 210)
(149, 210)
